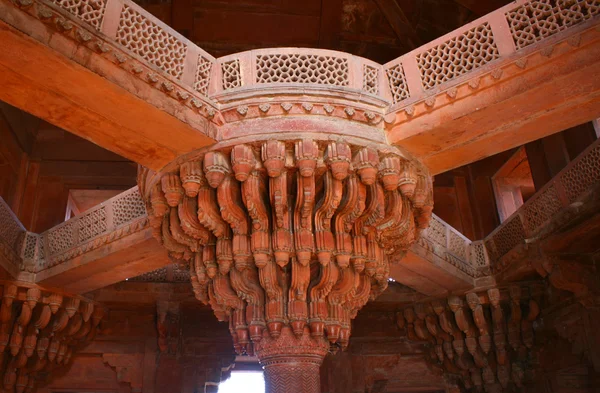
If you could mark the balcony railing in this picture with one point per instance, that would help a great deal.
(570, 184)
(471, 50)
(100, 225)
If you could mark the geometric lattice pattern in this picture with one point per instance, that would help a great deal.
(232, 77)
(92, 224)
(537, 20)
(61, 238)
(370, 79)
(508, 236)
(436, 231)
(9, 227)
(457, 56)
(203, 75)
(180, 274)
(457, 245)
(31, 240)
(128, 207)
(478, 254)
(583, 174)
(171, 273)
(302, 68)
(397, 82)
(541, 208)
(150, 41)
(90, 11)
(158, 275)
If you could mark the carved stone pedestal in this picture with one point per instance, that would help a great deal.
(292, 363)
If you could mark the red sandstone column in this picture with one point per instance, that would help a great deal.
(292, 363)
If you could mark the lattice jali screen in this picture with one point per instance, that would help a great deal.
(537, 20)
(456, 57)
(370, 79)
(143, 37)
(10, 230)
(509, 235)
(30, 245)
(89, 11)
(61, 238)
(180, 274)
(457, 245)
(302, 68)
(397, 83)
(539, 210)
(92, 224)
(232, 76)
(127, 207)
(158, 275)
(436, 231)
(584, 172)
(478, 254)
(202, 75)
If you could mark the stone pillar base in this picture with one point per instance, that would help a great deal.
(294, 375)
(292, 363)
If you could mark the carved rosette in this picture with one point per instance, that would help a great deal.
(291, 236)
(39, 332)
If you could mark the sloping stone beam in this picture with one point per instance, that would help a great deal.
(67, 75)
(518, 100)
(91, 73)
(107, 244)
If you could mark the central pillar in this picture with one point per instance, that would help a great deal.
(292, 363)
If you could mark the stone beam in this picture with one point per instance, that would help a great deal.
(514, 86)
(66, 74)
(130, 256)
(519, 88)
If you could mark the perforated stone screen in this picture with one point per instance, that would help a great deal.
(397, 83)
(89, 11)
(537, 20)
(302, 68)
(203, 75)
(148, 40)
(457, 56)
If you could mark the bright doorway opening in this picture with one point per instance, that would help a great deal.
(244, 381)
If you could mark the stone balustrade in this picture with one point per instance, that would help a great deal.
(104, 223)
(570, 184)
(452, 246)
(11, 235)
(175, 65)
